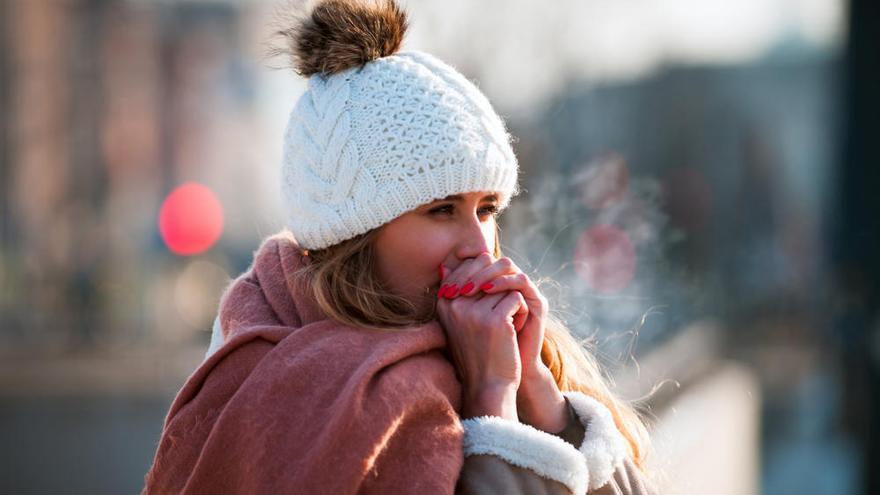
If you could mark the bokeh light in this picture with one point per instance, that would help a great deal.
(191, 219)
(605, 258)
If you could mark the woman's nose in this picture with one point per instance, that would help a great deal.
(475, 238)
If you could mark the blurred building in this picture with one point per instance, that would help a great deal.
(109, 105)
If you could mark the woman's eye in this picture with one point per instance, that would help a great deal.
(489, 210)
(445, 209)
(450, 209)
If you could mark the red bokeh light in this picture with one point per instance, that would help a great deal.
(191, 219)
(605, 258)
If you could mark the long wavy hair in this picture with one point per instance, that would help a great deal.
(344, 281)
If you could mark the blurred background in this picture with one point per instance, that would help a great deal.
(699, 184)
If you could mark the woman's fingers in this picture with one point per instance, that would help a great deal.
(519, 282)
(485, 304)
(499, 293)
(482, 276)
(479, 279)
(459, 280)
(513, 307)
(522, 314)
(481, 346)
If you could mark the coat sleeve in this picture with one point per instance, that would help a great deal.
(627, 479)
(486, 474)
(508, 467)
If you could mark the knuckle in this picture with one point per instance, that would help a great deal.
(505, 262)
(540, 308)
(483, 259)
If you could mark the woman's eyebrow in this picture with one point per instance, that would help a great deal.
(458, 197)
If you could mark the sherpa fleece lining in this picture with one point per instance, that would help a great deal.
(604, 448)
(549, 456)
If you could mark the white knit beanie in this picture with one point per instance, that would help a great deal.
(380, 132)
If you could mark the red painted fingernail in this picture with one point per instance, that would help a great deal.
(487, 286)
(441, 290)
(453, 289)
(467, 288)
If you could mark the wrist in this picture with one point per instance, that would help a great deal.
(492, 400)
(537, 372)
(540, 403)
(537, 381)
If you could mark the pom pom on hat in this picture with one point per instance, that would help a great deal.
(380, 132)
(340, 34)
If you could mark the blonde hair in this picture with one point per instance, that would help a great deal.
(345, 284)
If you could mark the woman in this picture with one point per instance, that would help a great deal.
(383, 344)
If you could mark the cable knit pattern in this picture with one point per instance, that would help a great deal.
(369, 143)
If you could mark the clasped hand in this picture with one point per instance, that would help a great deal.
(494, 318)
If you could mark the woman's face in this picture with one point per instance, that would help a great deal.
(410, 248)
